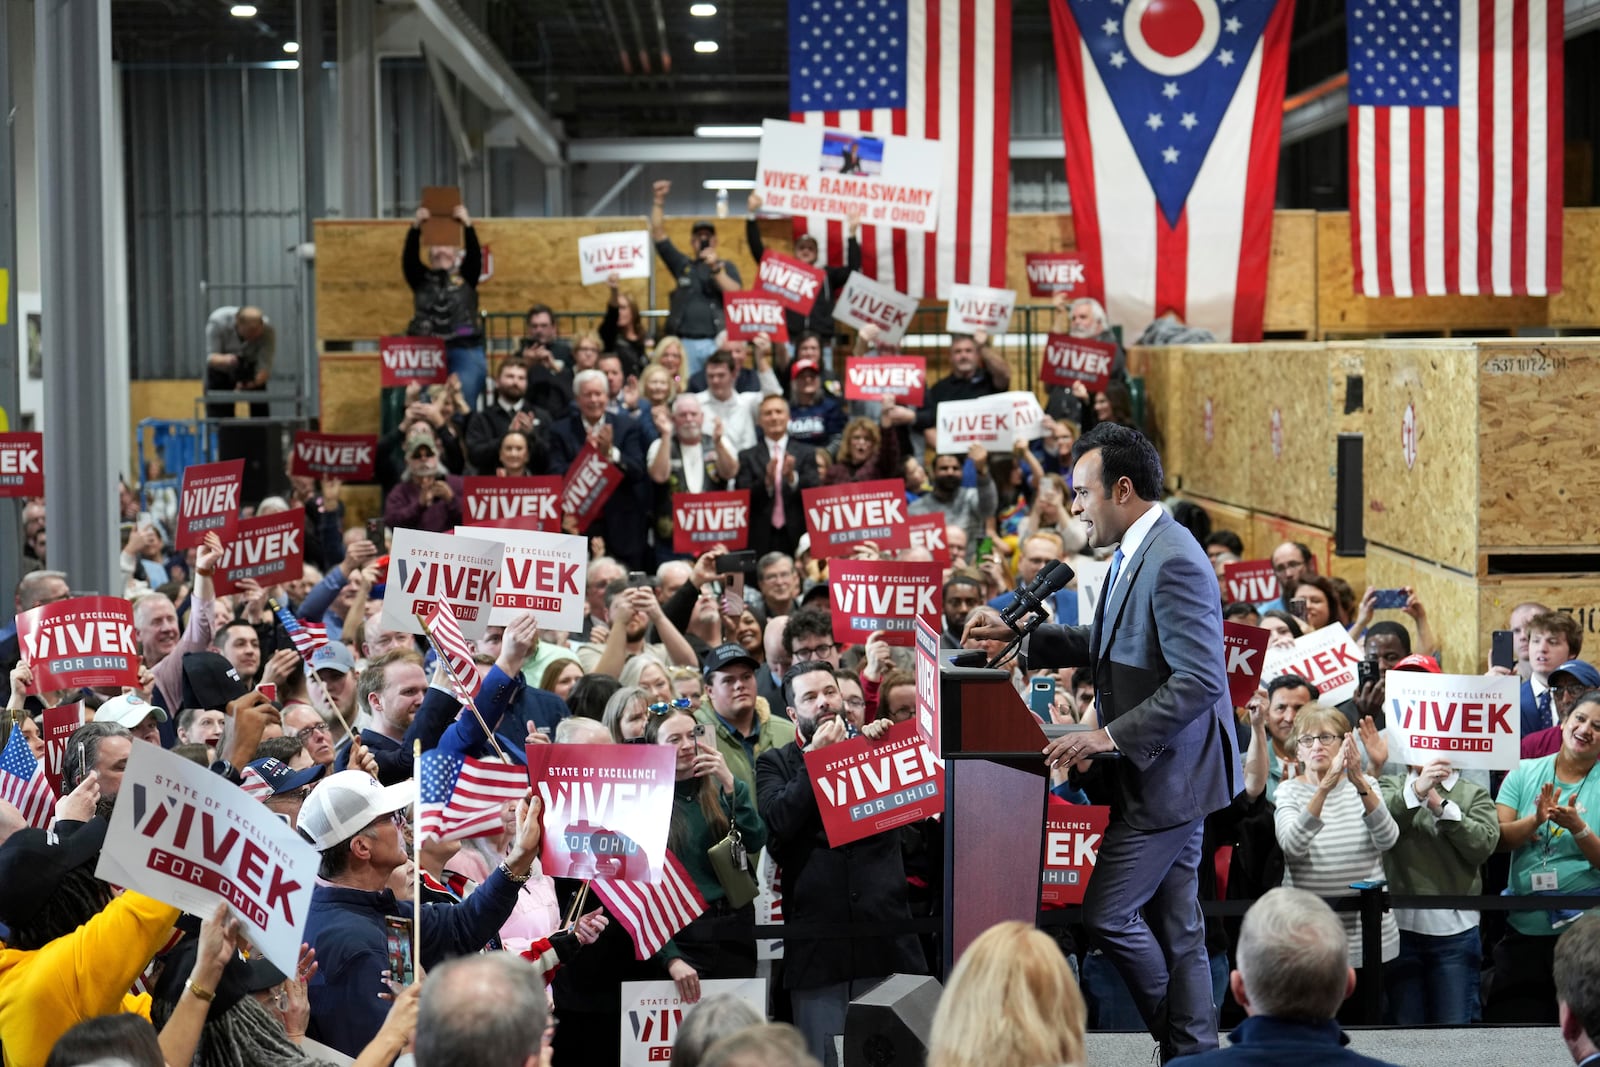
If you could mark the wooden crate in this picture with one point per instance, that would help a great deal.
(349, 390)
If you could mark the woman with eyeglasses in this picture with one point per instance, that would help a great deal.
(1334, 827)
(708, 801)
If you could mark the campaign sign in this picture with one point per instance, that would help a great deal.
(865, 787)
(790, 282)
(927, 531)
(652, 1012)
(427, 567)
(1050, 273)
(540, 572)
(60, 723)
(85, 641)
(514, 503)
(1472, 720)
(701, 521)
(1092, 574)
(606, 809)
(873, 596)
(21, 463)
(267, 549)
(927, 718)
(590, 481)
(1069, 360)
(864, 302)
(190, 838)
(768, 905)
(1245, 648)
(891, 379)
(1072, 836)
(995, 422)
(625, 254)
(1250, 581)
(412, 361)
(749, 315)
(1326, 658)
(210, 502)
(839, 517)
(975, 307)
(350, 456)
(882, 180)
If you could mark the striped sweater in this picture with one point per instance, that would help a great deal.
(1325, 855)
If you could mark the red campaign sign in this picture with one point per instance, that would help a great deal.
(701, 521)
(85, 641)
(1050, 273)
(927, 531)
(1068, 360)
(267, 548)
(883, 596)
(1251, 581)
(749, 315)
(865, 787)
(210, 502)
(1072, 836)
(348, 456)
(789, 281)
(606, 809)
(413, 361)
(514, 503)
(929, 727)
(900, 379)
(590, 482)
(22, 463)
(1245, 648)
(59, 724)
(840, 517)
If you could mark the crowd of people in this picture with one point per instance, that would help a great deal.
(740, 686)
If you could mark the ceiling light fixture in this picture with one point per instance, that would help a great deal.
(702, 11)
(728, 183)
(292, 47)
(705, 47)
(243, 11)
(729, 132)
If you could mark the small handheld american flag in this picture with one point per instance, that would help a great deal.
(652, 912)
(461, 797)
(307, 636)
(22, 781)
(455, 651)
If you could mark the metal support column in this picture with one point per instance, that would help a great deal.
(313, 188)
(85, 384)
(10, 514)
(358, 108)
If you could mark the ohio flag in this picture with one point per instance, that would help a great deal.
(1172, 113)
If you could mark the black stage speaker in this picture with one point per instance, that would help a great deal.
(1349, 535)
(888, 1026)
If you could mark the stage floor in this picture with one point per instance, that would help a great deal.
(1509, 1046)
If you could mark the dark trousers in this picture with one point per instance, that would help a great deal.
(1522, 986)
(721, 942)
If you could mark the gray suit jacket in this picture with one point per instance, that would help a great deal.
(1156, 652)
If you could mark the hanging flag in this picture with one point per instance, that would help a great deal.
(459, 662)
(652, 912)
(22, 781)
(462, 797)
(916, 68)
(1456, 146)
(1172, 114)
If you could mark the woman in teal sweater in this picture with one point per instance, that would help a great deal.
(707, 801)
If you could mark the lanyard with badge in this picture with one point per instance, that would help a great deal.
(1545, 880)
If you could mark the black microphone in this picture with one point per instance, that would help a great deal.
(1027, 598)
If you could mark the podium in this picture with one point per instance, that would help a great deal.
(996, 785)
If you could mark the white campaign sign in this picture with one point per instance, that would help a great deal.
(190, 838)
(1472, 720)
(542, 573)
(653, 1011)
(1091, 582)
(626, 254)
(1326, 658)
(995, 422)
(864, 302)
(425, 567)
(973, 307)
(769, 906)
(881, 179)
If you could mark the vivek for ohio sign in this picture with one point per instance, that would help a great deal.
(85, 641)
(865, 787)
(883, 596)
(1472, 720)
(881, 179)
(607, 809)
(334, 455)
(519, 503)
(425, 568)
(625, 255)
(266, 549)
(841, 517)
(1326, 658)
(541, 572)
(890, 379)
(788, 281)
(700, 521)
(412, 361)
(210, 502)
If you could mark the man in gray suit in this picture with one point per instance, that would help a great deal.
(1168, 756)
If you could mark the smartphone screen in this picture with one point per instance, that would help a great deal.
(1297, 607)
(733, 595)
(375, 534)
(1502, 650)
(397, 936)
(1389, 599)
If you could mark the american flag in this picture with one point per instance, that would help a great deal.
(1172, 115)
(22, 781)
(1456, 146)
(652, 912)
(461, 797)
(457, 654)
(935, 69)
(307, 636)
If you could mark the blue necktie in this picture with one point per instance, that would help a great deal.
(1105, 599)
(1116, 568)
(1542, 703)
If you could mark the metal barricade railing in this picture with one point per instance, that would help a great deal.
(179, 442)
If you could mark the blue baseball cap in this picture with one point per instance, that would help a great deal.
(1580, 671)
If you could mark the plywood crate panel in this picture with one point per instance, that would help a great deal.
(1291, 430)
(351, 384)
(1167, 395)
(1577, 595)
(1219, 398)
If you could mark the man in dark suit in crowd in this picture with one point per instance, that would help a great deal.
(625, 517)
(775, 470)
(1169, 756)
(511, 410)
